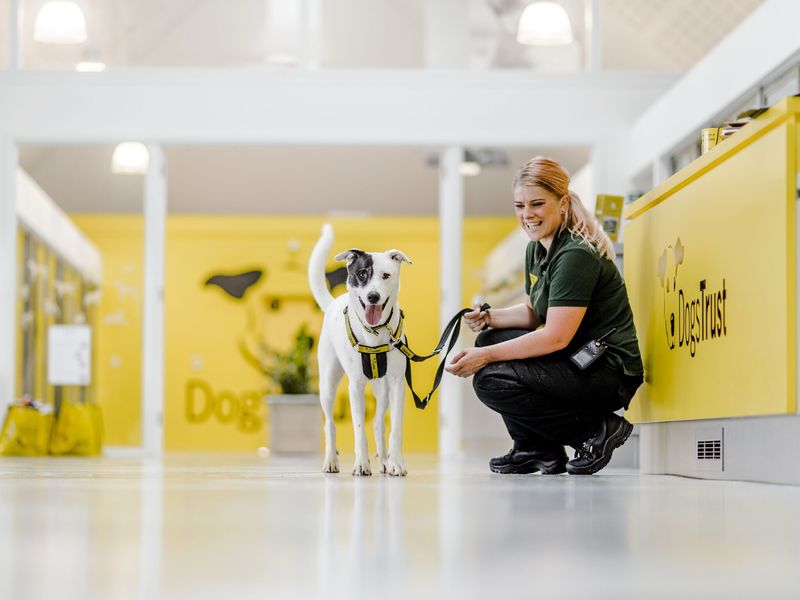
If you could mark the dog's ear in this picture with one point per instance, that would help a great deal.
(398, 256)
(349, 256)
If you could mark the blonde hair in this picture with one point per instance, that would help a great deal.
(550, 175)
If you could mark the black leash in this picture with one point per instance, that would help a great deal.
(452, 331)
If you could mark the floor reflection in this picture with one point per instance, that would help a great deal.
(362, 538)
(239, 527)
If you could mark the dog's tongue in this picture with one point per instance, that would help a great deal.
(373, 314)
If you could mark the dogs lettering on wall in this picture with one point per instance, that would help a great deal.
(242, 409)
(692, 315)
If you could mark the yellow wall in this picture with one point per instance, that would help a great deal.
(213, 397)
(118, 347)
(710, 269)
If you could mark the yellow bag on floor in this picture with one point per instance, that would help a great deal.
(77, 430)
(26, 432)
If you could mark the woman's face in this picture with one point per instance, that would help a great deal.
(539, 212)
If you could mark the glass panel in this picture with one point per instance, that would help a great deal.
(150, 33)
(281, 34)
(641, 184)
(247, 33)
(646, 35)
(785, 85)
(386, 34)
(684, 156)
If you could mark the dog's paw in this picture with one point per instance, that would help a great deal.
(331, 465)
(381, 459)
(361, 469)
(395, 468)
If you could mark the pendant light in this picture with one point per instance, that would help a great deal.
(130, 158)
(60, 22)
(544, 23)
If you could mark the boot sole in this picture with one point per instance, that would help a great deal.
(617, 440)
(531, 466)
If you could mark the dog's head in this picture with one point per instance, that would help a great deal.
(373, 279)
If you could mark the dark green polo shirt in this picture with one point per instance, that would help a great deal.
(574, 274)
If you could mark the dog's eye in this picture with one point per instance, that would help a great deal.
(386, 275)
(362, 274)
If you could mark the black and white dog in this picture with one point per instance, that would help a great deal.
(357, 335)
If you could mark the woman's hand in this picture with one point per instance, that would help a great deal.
(477, 319)
(468, 362)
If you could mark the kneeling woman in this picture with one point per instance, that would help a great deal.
(521, 359)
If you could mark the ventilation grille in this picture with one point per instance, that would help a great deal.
(709, 449)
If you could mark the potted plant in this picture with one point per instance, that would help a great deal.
(294, 413)
(291, 371)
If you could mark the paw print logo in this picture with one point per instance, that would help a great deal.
(668, 264)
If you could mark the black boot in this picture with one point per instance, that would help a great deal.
(549, 462)
(595, 452)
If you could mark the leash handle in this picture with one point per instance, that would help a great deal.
(452, 331)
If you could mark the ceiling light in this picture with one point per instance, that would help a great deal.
(90, 66)
(544, 23)
(475, 160)
(130, 157)
(283, 59)
(60, 22)
(469, 168)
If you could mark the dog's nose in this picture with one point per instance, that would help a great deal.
(373, 297)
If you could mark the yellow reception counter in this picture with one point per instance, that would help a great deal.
(710, 265)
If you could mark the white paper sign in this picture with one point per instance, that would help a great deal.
(69, 357)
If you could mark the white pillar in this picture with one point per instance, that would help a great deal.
(593, 36)
(446, 34)
(451, 216)
(8, 272)
(155, 216)
(14, 49)
(308, 31)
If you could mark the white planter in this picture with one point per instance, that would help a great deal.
(295, 423)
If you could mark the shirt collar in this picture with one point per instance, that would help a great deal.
(543, 256)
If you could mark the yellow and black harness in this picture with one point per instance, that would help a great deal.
(373, 358)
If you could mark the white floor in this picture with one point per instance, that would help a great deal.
(198, 526)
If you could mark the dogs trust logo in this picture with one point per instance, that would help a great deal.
(689, 317)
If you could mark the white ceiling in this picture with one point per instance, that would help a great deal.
(666, 35)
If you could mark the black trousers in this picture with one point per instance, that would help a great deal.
(547, 402)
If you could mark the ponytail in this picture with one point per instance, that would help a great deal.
(585, 226)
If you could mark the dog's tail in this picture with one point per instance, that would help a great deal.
(316, 268)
